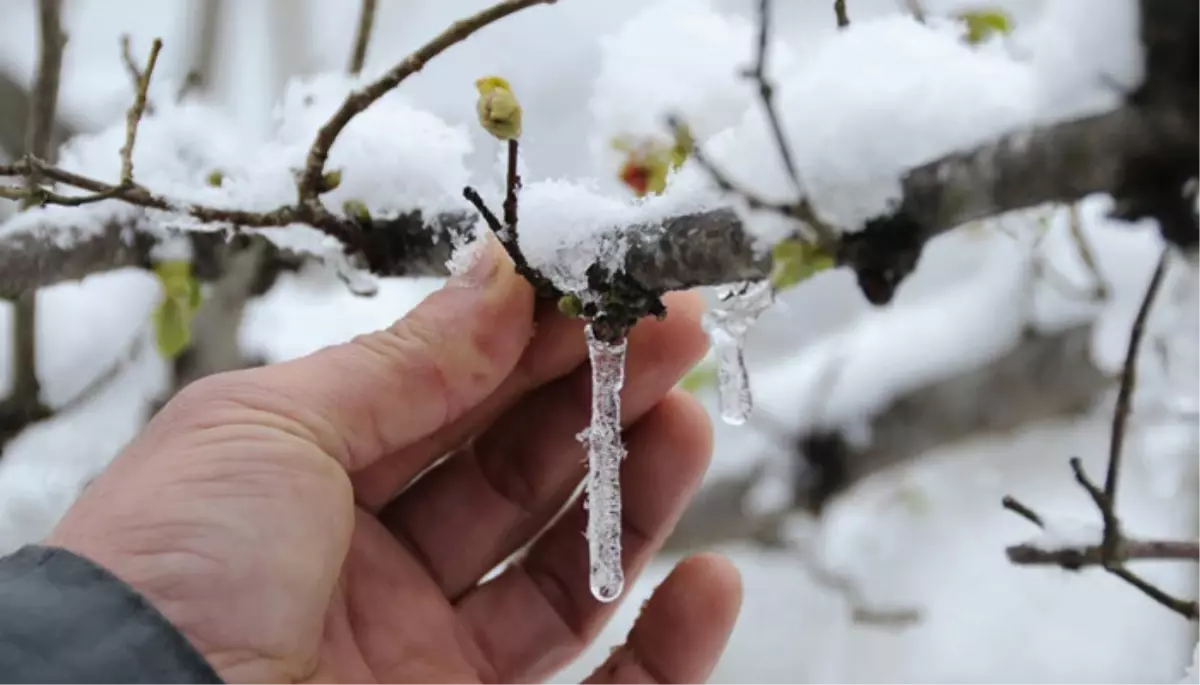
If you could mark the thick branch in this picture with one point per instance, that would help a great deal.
(1058, 163)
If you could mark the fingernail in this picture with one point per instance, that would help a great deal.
(475, 265)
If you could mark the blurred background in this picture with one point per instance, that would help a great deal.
(996, 363)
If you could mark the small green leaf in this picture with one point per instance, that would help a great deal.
(796, 261)
(172, 328)
(182, 297)
(702, 375)
(215, 178)
(357, 210)
(570, 305)
(331, 180)
(984, 23)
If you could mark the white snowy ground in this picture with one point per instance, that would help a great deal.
(859, 108)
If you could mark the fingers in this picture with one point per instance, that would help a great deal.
(557, 349)
(682, 630)
(380, 392)
(539, 614)
(472, 512)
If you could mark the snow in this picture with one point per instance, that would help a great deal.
(568, 226)
(1068, 532)
(1192, 674)
(675, 56)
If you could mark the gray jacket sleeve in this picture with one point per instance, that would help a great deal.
(63, 619)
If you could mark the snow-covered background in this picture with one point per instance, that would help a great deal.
(860, 107)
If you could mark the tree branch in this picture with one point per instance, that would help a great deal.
(1059, 163)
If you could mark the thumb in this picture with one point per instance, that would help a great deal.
(367, 398)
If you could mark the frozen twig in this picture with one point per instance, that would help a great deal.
(362, 36)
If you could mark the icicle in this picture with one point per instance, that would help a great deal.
(605, 452)
(357, 280)
(727, 324)
(1182, 342)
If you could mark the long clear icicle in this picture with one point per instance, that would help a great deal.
(727, 325)
(605, 452)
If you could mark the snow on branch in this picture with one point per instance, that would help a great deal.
(1061, 162)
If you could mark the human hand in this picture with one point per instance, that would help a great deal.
(276, 517)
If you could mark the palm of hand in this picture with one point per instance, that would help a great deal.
(276, 517)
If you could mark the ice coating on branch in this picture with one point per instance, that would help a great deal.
(727, 325)
(605, 452)
(567, 227)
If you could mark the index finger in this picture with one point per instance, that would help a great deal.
(379, 392)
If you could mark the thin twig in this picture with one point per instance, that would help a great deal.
(839, 10)
(1014, 505)
(1129, 380)
(1086, 254)
(802, 209)
(474, 198)
(512, 186)
(362, 37)
(134, 116)
(310, 185)
(127, 59)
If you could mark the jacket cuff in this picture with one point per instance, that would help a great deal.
(64, 619)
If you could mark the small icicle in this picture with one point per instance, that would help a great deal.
(357, 280)
(605, 452)
(727, 325)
